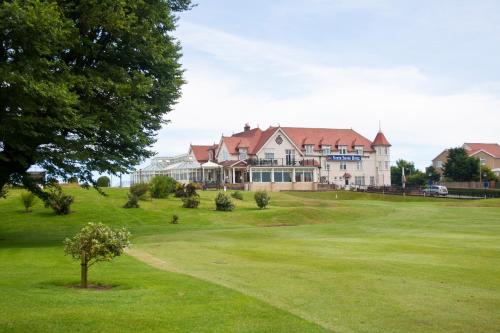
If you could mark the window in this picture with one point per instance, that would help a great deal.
(256, 176)
(269, 154)
(380, 165)
(386, 150)
(327, 150)
(343, 166)
(243, 153)
(266, 176)
(359, 150)
(290, 156)
(372, 181)
(342, 150)
(225, 156)
(387, 165)
(359, 180)
(483, 161)
(304, 175)
(308, 176)
(309, 149)
(359, 165)
(282, 175)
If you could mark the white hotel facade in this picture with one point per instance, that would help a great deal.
(282, 158)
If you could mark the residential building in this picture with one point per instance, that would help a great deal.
(292, 158)
(487, 153)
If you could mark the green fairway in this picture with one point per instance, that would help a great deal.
(312, 262)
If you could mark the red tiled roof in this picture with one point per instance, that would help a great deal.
(255, 138)
(381, 140)
(326, 136)
(491, 148)
(201, 152)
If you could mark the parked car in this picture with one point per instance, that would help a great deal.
(435, 190)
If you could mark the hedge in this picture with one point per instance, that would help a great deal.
(489, 193)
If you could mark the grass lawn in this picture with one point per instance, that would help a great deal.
(312, 262)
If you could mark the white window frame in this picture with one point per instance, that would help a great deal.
(343, 150)
(359, 150)
(343, 165)
(242, 154)
(309, 149)
(326, 149)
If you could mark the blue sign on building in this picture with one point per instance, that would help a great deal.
(344, 158)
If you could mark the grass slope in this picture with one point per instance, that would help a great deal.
(343, 262)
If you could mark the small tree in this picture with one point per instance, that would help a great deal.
(262, 199)
(132, 202)
(432, 174)
(96, 242)
(103, 181)
(3, 191)
(140, 190)
(237, 195)
(223, 202)
(58, 201)
(488, 174)
(28, 200)
(161, 186)
(460, 167)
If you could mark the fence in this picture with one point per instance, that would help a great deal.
(471, 185)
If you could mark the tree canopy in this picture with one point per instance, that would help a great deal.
(397, 171)
(460, 166)
(84, 85)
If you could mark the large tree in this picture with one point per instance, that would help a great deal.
(84, 84)
(397, 171)
(460, 166)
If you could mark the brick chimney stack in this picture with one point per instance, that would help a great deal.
(246, 128)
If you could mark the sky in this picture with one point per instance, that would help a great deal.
(427, 71)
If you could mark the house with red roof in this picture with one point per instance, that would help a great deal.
(487, 153)
(284, 158)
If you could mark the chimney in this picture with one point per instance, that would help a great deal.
(246, 128)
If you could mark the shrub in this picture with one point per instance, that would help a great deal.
(179, 191)
(28, 199)
(72, 180)
(191, 202)
(237, 195)
(262, 199)
(161, 186)
(132, 202)
(488, 193)
(103, 181)
(175, 219)
(190, 190)
(140, 190)
(58, 201)
(223, 202)
(3, 191)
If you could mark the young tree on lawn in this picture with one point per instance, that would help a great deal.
(460, 166)
(432, 174)
(96, 242)
(84, 85)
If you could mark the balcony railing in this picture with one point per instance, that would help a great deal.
(282, 162)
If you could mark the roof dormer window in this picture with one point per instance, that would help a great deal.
(327, 149)
(358, 150)
(242, 154)
(309, 149)
(343, 150)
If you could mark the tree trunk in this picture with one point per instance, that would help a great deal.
(84, 271)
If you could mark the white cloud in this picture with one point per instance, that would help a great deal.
(235, 79)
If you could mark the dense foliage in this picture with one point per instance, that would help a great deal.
(85, 84)
(473, 192)
(432, 174)
(262, 199)
(103, 181)
(460, 167)
(192, 201)
(139, 190)
(132, 201)
(28, 200)
(58, 200)
(237, 195)
(96, 242)
(397, 171)
(223, 202)
(161, 186)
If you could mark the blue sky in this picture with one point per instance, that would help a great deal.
(428, 70)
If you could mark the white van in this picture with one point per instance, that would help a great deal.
(436, 190)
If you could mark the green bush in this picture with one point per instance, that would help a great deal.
(103, 181)
(132, 202)
(473, 192)
(237, 195)
(3, 191)
(140, 190)
(175, 219)
(72, 180)
(58, 201)
(262, 199)
(28, 200)
(161, 186)
(190, 190)
(191, 202)
(179, 191)
(223, 202)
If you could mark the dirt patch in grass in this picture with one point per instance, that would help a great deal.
(95, 287)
